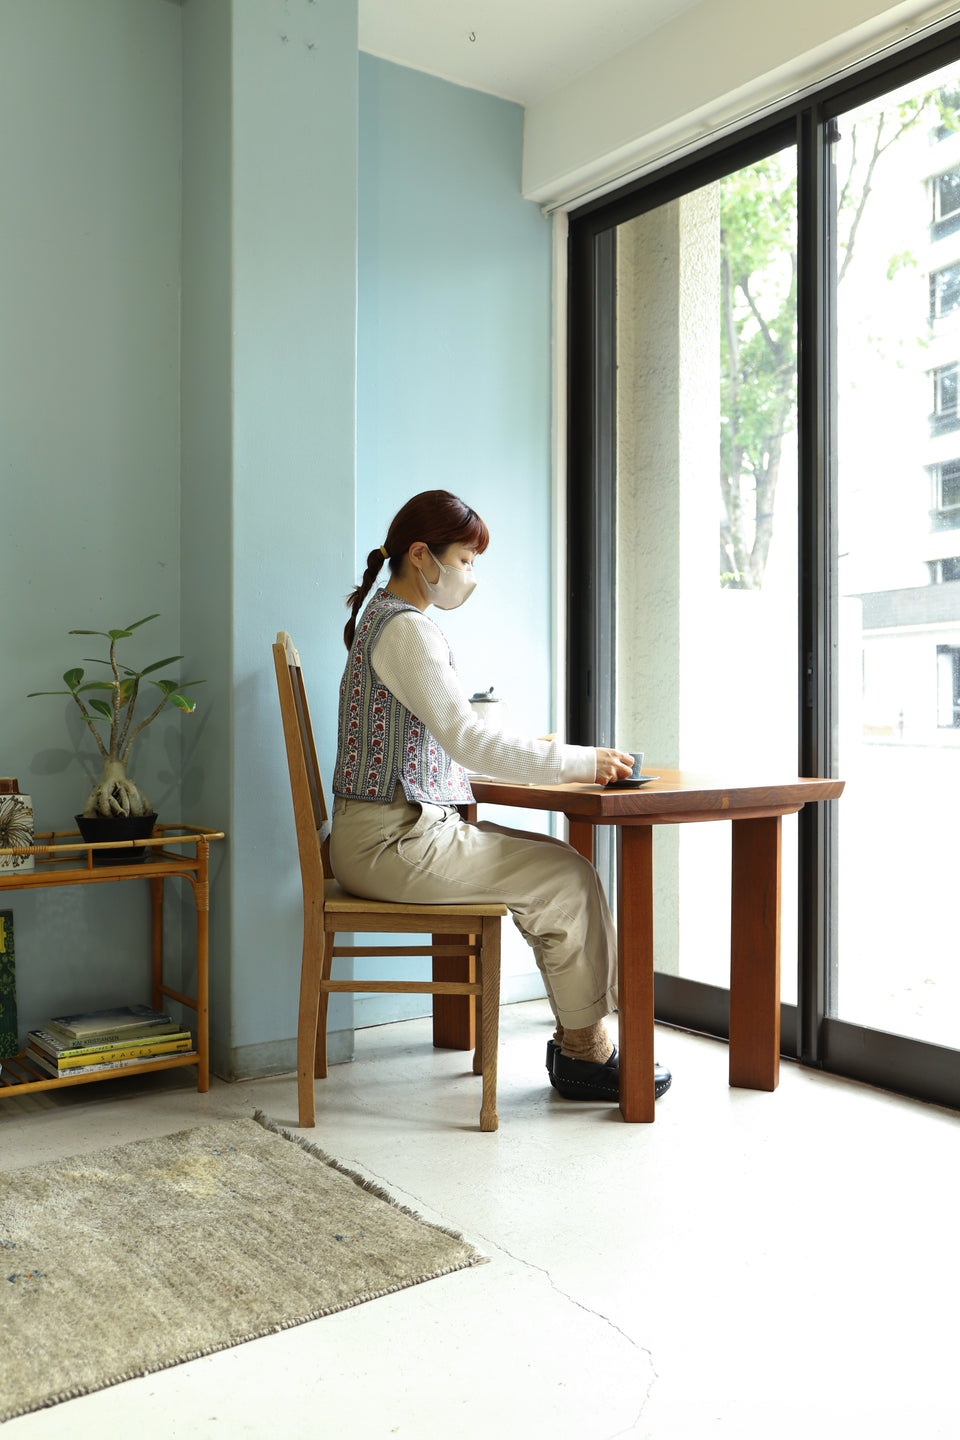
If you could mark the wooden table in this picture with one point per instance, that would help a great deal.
(678, 798)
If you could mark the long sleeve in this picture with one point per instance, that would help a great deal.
(412, 659)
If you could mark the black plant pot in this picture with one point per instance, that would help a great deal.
(96, 829)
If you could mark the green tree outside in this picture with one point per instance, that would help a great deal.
(758, 308)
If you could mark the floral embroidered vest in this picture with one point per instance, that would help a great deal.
(380, 742)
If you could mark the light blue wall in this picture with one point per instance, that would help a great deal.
(294, 457)
(178, 426)
(454, 377)
(269, 363)
(89, 436)
(206, 470)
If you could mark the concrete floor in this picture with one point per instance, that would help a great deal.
(749, 1266)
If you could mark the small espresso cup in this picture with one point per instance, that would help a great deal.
(637, 764)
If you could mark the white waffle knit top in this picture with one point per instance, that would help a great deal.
(412, 658)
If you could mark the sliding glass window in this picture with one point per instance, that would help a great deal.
(765, 544)
(895, 223)
(705, 494)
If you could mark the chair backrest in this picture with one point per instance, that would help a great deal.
(306, 786)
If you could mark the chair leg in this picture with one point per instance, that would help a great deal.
(326, 965)
(454, 1015)
(311, 968)
(320, 1065)
(476, 970)
(490, 980)
(478, 1048)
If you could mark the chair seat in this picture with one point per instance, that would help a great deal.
(336, 899)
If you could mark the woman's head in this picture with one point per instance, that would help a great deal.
(436, 518)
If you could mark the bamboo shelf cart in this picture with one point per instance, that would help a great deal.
(61, 858)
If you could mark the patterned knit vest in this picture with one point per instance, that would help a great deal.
(380, 741)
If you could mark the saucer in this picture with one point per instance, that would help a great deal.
(630, 783)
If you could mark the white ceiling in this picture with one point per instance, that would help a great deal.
(517, 49)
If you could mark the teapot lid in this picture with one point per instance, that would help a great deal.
(9, 787)
(485, 697)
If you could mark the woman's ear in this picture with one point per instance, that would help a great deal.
(417, 551)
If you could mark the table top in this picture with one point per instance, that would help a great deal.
(677, 794)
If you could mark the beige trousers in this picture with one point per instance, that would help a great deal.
(427, 855)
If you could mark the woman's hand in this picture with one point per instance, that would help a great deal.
(613, 765)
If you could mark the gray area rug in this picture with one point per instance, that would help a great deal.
(132, 1259)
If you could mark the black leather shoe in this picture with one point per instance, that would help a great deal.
(662, 1079)
(583, 1080)
(552, 1049)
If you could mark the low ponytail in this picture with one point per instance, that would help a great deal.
(360, 592)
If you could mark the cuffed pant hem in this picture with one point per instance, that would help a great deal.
(580, 1019)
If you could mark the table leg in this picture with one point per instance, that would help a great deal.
(755, 954)
(580, 836)
(635, 941)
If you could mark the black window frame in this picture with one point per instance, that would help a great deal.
(809, 1032)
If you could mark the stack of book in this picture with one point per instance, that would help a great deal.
(105, 1040)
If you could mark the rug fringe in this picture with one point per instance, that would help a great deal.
(216, 1347)
(370, 1186)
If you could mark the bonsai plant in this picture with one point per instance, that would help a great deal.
(115, 794)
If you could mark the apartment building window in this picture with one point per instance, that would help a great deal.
(943, 571)
(948, 687)
(944, 291)
(945, 393)
(948, 100)
(946, 204)
(945, 514)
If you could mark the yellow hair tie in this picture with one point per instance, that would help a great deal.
(384, 552)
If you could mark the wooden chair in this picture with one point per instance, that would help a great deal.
(463, 931)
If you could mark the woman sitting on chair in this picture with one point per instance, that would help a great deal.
(407, 737)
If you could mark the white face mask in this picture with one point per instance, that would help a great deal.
(451, 588)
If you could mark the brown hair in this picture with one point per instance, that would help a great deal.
(434, 516)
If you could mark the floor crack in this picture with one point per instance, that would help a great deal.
(415, 1200)
(598, 1315)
